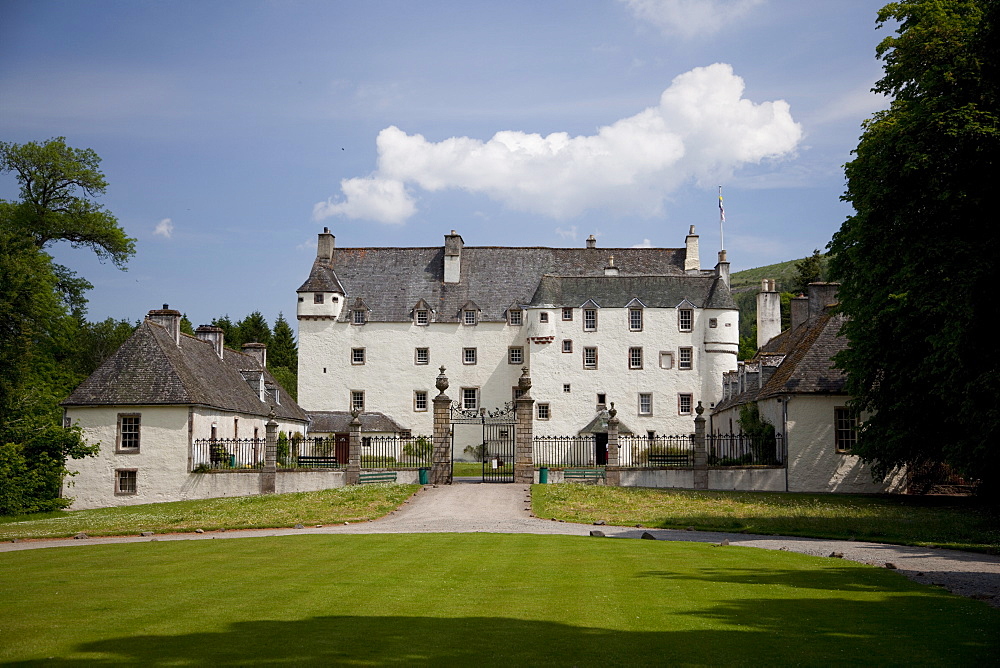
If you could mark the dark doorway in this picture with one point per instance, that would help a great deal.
(601, 447)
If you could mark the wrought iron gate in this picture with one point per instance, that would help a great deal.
(496, 450)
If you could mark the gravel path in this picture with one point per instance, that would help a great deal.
(494, 508)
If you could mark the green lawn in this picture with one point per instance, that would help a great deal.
(959, 523)
(473, 599)
(332, 506)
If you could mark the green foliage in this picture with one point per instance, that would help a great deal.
(254, 329)
(287, 380)
(420, 448)
(915, 261)
(186, 326)
(477, 452)
(283, 351)
(809, 270)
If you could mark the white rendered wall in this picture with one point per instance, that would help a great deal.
(162, 462)
(390, 376)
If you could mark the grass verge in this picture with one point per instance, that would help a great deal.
(356, 503)
(474, 599)
(954, 523)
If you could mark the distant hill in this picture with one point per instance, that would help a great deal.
(746, 284)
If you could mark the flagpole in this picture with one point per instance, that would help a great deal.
(722, 219)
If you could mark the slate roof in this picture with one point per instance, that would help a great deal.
(807, 367)
(330, 422)
(149, 369)
(392, 280)
(618, 291)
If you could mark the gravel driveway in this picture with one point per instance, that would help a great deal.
(499, 508)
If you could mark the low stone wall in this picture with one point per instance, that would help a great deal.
(744, 479)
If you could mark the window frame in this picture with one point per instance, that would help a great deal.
(133, 476)
(517, 351)
(469, 318)
(318, 298)
(689, 362)
(474, 396)
(844, 434)
(590, 319)
(669, 356)
(647, 399)
(593, 351)
(543, 316)
(470, 356)
(567, 345)
(633, 315)
(416, 356)
(421, 317)
(515, 317)
(567, 313)
(417, 396)
(681, 396)
(543, 411)
(355, 404)
(635, 358)
(358, 356)
(359, 316)
(685, 320)
(567, 388)
(120, 433)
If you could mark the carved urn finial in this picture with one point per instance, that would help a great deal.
(354, 415)
(442, 381)
(699, 409)
(524, 382)
(613, 411)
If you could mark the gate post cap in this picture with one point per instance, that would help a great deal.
(442, 381)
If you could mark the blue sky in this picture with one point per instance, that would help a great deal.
(232, 132)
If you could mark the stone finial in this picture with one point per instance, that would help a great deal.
(612, 412)
(442, 381)
(699, 409)
(524, 382)
(354, 416)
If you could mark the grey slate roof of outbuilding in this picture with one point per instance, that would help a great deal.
(149, 369)
(393, 280)
(807, 367)
(333, 422)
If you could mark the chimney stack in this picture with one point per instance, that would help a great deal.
(258, 351)
(325, 245)
(722, 268)
(591, 241)
(821, 296)
(213, 335)
(453, 244)
(799, 310)
(691, 261)
(169, 319)
(768, 312)
(611, 269)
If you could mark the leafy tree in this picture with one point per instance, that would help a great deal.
(915, 261)
(254, 329)
(42, 331)
(808, 270)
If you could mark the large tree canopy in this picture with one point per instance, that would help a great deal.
(916, 260)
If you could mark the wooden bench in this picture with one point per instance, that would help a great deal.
(376, 476)
(572, 475)
(314, 462)
(668, 459)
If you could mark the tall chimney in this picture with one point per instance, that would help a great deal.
(213, 335)
(258, 351)
(591, 241)
(722, 268)
(610, 269)
(325, 245)
(768, 312)
(169, 319)
(691, 261)
(453, 244)
(799, 310)
(821, 295)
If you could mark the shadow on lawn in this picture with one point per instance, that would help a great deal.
(808, 631)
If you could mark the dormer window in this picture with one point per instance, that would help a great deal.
(468, 317)
(590, 319)
(358, 317)
(685, 319)
(422, 317)
(635, 319)
(318, 298)
(515, 316)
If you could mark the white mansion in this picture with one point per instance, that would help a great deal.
(645, 328)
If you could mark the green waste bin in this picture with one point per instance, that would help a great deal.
(543, 475)
(425, 476)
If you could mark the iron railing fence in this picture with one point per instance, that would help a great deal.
(224, 454)
(656, 452)
(396, 452)
(561, 451)
(744, 450)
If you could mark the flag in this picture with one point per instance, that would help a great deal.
(722, 212)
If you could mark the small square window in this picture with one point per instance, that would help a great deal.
(357, 355)
(126, 481)
(666, 360)
(645, 403)
(684, 404)
(685, 359)
(543, 317)
(590, 319)
(590, 358)
(602, 399)
(422, 317)
(420, 400)
(357, 400)
(422, 356)
(635, 358)
(713, 322)
(567, 345)
(515, 316)
(543, 411)
(318, 298)
(470, 398)
(468, 355)
(566, 388)
(469, 317)
(359, 317)
(635, 319)
(515, 355)
(567, 314)
(685, 319)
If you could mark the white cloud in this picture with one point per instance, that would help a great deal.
(688, 18)
(164, 228)
(646, 243)
(567, 233)
(701, 131)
